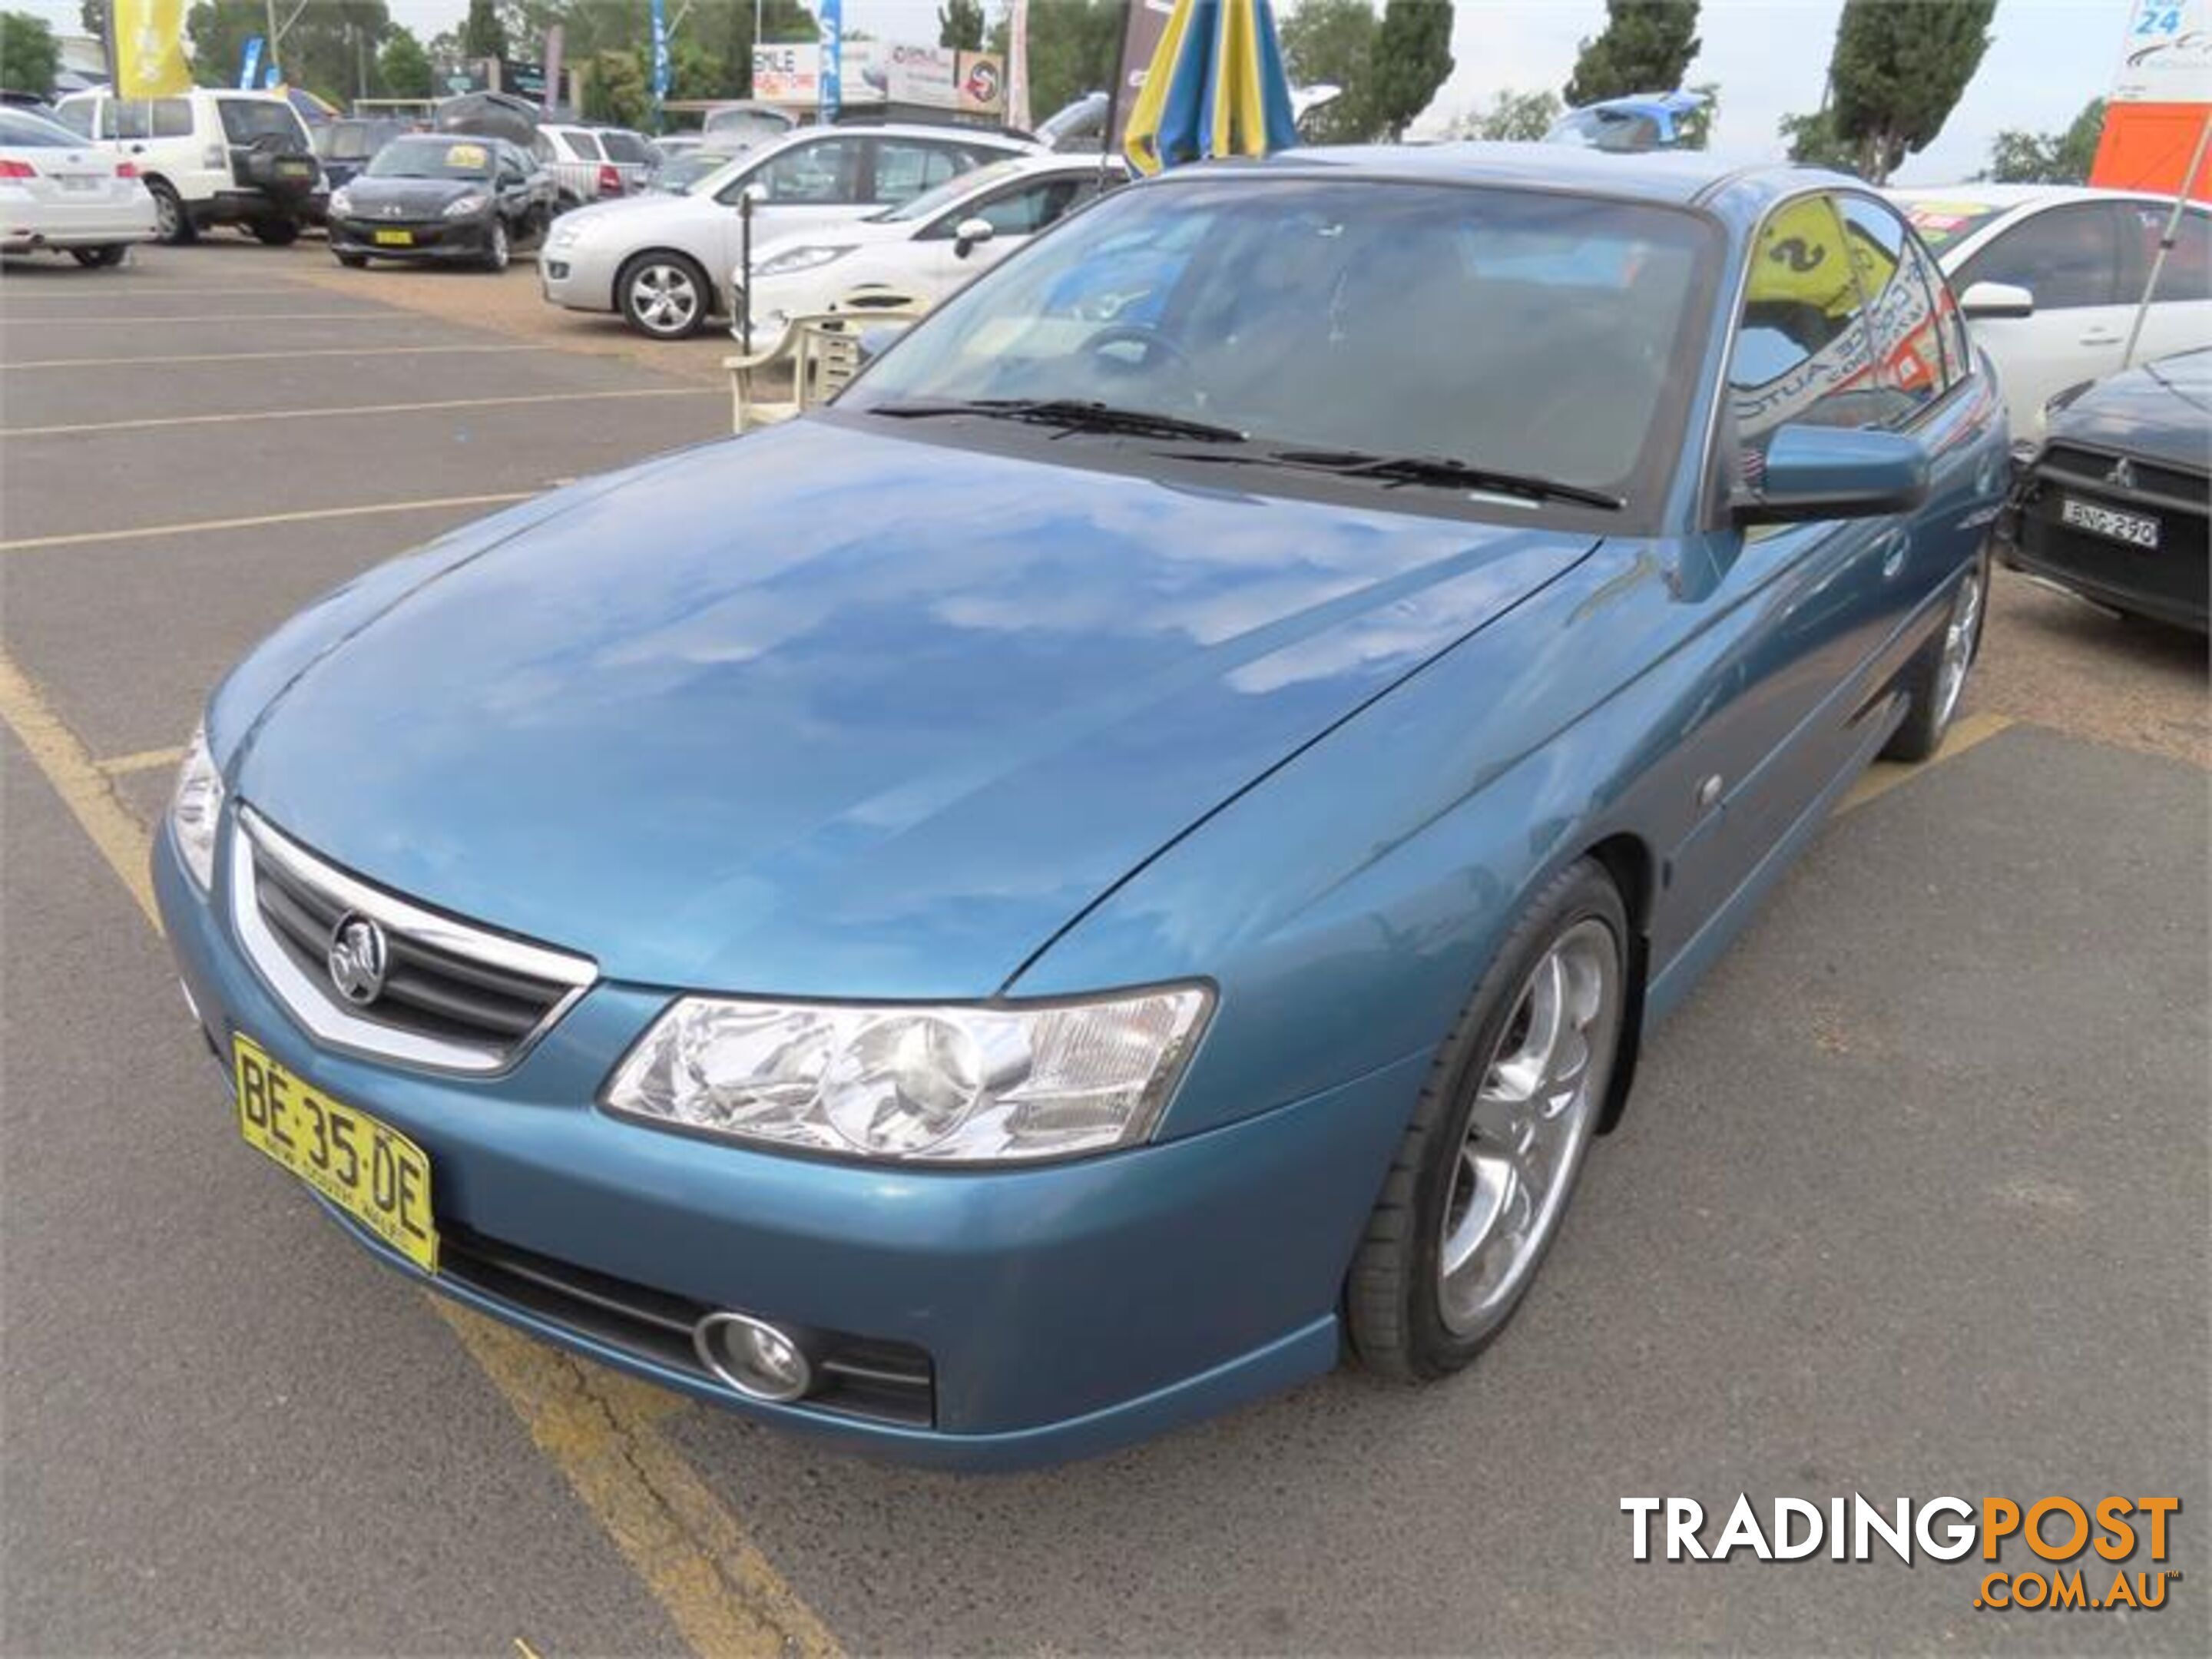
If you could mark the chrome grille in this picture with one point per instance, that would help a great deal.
(454, 994)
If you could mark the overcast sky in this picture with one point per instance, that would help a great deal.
(2050, 57)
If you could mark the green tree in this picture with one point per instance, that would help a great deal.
(1898, 73)
(1813, 139)
(1074, 45)
(403, 67)
(1695, 130)
(483, 33)
(91, 18)
(29, 54)
(1512, 117)
(960, 25)
(2049, 158)
(1413, 57)
(1646, 45)
(616, 89)
(330, 48)
(1332, 43)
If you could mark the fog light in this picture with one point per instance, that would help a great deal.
(753, 1357)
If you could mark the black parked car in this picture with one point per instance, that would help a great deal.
(443, 197)
(2114, 505)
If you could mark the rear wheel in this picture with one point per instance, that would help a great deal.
(276, 233)
(91, 257)
(1939, 679)
(172, 224)
(1497, 1141)
(664, 295)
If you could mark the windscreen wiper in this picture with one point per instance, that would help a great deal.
(1072, 414)
(1445, 472)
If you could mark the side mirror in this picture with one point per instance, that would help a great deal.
(1997, 300)
(1835, 472)
(970, 232)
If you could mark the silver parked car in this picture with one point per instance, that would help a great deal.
(649, 258)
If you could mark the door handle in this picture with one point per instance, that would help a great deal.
(1892, 548)
(2101, 337)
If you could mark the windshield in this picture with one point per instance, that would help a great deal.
(245, 120)
(432, 158)
(1941, 223)
(1543, 334)
(930, 201)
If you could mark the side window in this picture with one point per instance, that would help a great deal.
(2187, 272)
(821, 172)
(77, 116)
(1024, 212)
(1909, 370)
(583, 145)
(127, 118)
(2067, 257)
(173, 118)
(626, 148)
(906, 167)
(1801, 352)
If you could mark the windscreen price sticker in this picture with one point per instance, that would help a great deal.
(2091, 1554)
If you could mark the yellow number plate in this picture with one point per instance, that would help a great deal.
(395, 239)
(368, 1169)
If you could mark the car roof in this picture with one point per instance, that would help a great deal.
(1998, 197)
(1667, 176)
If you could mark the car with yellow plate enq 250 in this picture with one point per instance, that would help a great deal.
(443, 197)
(1138, 847)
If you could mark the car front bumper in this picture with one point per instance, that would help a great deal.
(1063, 1310)
(444, 239)
(576, 277)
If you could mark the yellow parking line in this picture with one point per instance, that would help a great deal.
(1884, 775)
(599, 1428)
(82, 538)
(256, 317)
(146, 759)
(263, 356)
(359, 408)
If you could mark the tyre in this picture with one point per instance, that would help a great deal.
(1489, 1161)
(665, 295)
(498, 251)
(94, 257)
(172, 224)
(276, 233)
(1938, 677)
(353, 261)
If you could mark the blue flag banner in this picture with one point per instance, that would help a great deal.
(249, 64)
(660, 68)
(832, 71)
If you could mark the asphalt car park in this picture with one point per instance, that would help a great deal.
(1910, 1201)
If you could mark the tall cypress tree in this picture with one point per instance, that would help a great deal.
(1646, 45)
(1413, 57)
(1898, 71)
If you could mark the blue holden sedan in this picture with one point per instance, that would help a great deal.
(1135, 854)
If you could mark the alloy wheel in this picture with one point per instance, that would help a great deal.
(1531, 1123)
(664, 299)
(169, 213)
(1958, 635)
(499, 246)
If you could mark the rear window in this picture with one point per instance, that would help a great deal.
(584, 146)
(1942, 223)
(245, 120)
(77, 117)
(19, 129)
(624, 147)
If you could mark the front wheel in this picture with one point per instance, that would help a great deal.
(497, 251)
(665, 295)
(1496, 1140)
(1939, 679)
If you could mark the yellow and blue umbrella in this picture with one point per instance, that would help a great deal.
(1215, 86)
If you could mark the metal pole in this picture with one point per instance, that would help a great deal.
(270, 62)
(745, 270)
(2166, 241)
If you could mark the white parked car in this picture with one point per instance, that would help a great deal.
(210, 156)
(647, 257)
(2050, 277)
(60, 194)
(930, 245)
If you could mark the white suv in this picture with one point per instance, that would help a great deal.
(210, 157)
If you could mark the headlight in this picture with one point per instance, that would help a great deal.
(341, 203)
(196, 807)
(799, 259)
(936, 1084)
(461, 206)
(564, 235)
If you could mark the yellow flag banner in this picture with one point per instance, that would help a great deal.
(149, 48)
